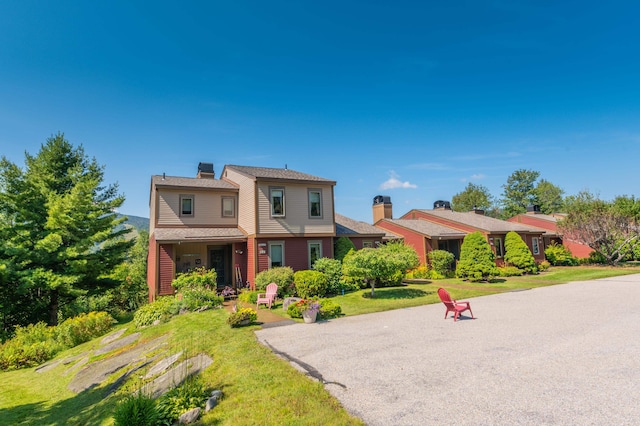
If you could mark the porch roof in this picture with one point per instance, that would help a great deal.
(199, 234)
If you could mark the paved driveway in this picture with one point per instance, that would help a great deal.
(566, 354)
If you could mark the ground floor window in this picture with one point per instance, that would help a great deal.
(315, 252)
(276, 254)
(367, 244)
(536, 246)
(499, 247)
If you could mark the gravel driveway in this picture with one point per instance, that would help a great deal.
(567, 354)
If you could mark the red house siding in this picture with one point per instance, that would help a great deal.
(251, 261)
(412, 238)
(152, 268)
(166, 269)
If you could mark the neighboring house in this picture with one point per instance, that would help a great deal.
(249, 220)
(444, 229)
(361, 234)
(550, 223)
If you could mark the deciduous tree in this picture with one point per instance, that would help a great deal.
(519, 192)
(472, 197)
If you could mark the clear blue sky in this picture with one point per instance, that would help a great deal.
(407, 99)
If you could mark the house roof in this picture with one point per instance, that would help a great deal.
(346, 226)
(185, 182)
(482, 222)
(198, 234)
(429, 229)
(280, 174)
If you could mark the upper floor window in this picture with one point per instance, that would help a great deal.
(315, 203)
(277, 202)
(186, 205)
(228, 207)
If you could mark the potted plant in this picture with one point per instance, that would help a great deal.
(244, 316)
(309, 309)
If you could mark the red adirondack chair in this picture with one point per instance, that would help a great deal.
(269, 297)
(452, 305)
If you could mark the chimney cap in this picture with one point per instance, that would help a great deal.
(382, 199)
(205, 167)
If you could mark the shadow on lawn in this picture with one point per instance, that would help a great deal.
(397, 293)
(86, 408)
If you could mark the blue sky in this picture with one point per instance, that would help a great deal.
(407, 99)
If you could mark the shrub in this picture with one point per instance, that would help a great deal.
(310, 283)
(14, 355)
(477, 261)
(192, 393)
(195, 298)
(281, 275)
(248, 296)
(509, 271)
(342, 248)
(198, 278)
(83, 328)
(517, 253)
(329, 309)
(559, 255)
(237, 319)
(162, 309)
(543, 266)
(332, 270)
(441, 262)
(136, 410)
(419, 273)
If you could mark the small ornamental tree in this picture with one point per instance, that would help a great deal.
(518, 254)
(343, 245)
(332, 270)
(477, 261)
(441, 262)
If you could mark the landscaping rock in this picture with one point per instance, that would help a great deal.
(176, 375)
(113, 336)
(162, 365)
(288, 301)
(77, 365)
(156, 322)
(117, 344)
(216, 395)
(189, 417)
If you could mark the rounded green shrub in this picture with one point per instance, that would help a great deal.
(332, 270)
(342, 248)
(442, 263)
(329, 309)
(281, 275)
(509, 271)
(310, 284)
(195, 298)
(83, 328)
(162, 309)
(517, 253)
(559, 255)
(244, 316)
(248, 296)
(198, 278)
(477, 260)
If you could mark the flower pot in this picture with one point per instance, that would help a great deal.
(309, 316)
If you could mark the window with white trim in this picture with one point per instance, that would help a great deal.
(315, 252)
(276, 196)
(536, 246)
(186, 205)
(228, 207)
(315, 204)
(276, 254)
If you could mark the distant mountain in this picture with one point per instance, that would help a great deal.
(137, 222)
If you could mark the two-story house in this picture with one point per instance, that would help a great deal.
(445, 229)
(248, 220)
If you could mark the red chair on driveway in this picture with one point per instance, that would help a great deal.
(452, 305)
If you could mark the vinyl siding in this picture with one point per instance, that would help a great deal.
(296, 220)
(207, 208)
(152, 268)
(166, 270)
(246, 200)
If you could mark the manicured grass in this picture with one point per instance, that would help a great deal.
(259, 387)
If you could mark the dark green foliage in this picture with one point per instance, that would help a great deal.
(138, 409)
(343, 246)
(58, 232)
(332, 270)
(329, 309)
(190, 394)
(310, 284)
(162, 309)
(517, 253)
(519, 192)
(559, 255)
(281, 275)
(195, 298)
(477, 260)
(442, 263)
(473, 197)
(198, 278)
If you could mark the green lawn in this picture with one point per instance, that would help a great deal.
(259, 387)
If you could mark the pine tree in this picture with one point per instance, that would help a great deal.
(517, 253)
(477, 260)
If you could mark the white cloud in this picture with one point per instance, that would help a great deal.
(393, 182)
(478, 176)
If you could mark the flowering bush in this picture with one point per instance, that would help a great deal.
(237, 319)
(295, 310)
(227, 291)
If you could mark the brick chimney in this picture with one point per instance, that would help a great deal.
(382, 208)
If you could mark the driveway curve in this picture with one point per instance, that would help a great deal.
(566, 354)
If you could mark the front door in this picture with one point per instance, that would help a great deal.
(218, 262)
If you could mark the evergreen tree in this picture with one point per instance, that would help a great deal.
(477, 260)
(517, 253)
(58, 231)
(343, 245)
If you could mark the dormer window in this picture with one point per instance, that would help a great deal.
(277, 202)
(186, 205)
